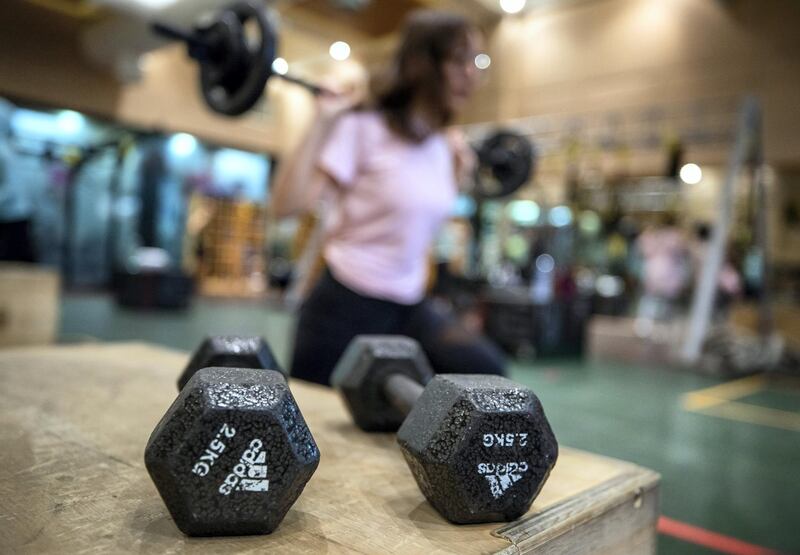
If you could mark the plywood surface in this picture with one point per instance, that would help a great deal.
(74, 422)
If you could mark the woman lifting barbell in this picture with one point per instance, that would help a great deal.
(391, 174)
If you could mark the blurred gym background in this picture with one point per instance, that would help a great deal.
(129, 211)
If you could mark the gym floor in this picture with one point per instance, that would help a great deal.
(728, 454)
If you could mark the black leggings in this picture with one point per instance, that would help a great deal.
(333, 315)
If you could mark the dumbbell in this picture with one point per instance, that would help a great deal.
(479, 446)
(230, 351)
(233, 452)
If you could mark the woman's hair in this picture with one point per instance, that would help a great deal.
(416, 73)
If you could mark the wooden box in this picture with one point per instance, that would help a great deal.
(29, 303)
(75, 423)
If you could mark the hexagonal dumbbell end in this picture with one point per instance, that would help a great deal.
(230, 351)
(480, 447)
(232, 453)
(362, 371)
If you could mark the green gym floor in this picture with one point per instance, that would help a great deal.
(729, 455)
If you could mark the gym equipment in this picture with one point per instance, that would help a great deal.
(153, 289)
(524, 328)
(747, 152)
(506, 161)
(479, 446)
(230, 351)
(235, 62)
(235, 67)
(233, 452)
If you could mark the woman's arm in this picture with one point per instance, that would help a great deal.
(464, 159)
(299, 182)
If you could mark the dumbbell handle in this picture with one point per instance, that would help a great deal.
(402, 391)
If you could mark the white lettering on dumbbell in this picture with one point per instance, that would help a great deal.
(502, 468)
(250, 473)
(505, 440)
(502, 476)
(203, 465)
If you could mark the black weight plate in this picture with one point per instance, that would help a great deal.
(505, 163)
(234, 77)
(226, 60)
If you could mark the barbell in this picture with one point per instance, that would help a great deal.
(235, 51)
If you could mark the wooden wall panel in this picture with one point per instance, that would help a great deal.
(622, 55)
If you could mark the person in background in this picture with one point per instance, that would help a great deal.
(666, 269)
(391, 173)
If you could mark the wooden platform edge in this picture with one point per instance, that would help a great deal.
(635, 491)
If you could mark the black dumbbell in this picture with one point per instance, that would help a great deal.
(230, 351)
(479, 446)
(233, 452)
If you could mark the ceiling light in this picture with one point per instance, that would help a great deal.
(70, 122)
(280, 66)
(182, 145)
(339, 50)
(691, 174)
(512, 6)
(482, 61)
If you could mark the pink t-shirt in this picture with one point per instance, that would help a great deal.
(394, 196)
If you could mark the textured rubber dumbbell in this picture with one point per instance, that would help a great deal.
(233, 452)
(230, 351)
(480, 447)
